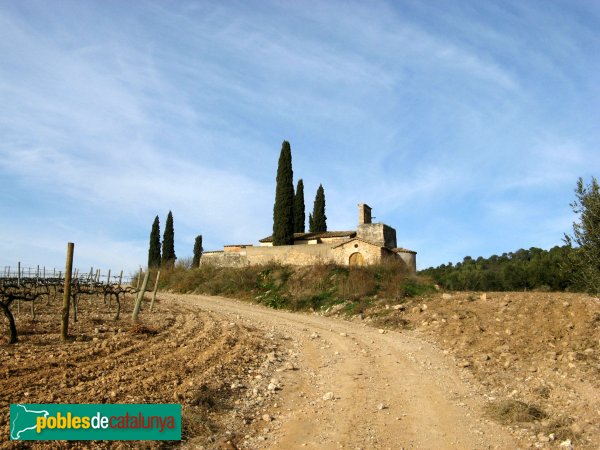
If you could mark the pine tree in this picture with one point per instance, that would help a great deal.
(299, 214)
(197, 251)
(154, 250)
(283, 210)
(168, 247)
(318, 216)
(585, 258)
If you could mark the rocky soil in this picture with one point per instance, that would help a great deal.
(223, 372)
(359, 387)
(500, 370)
(541, 349)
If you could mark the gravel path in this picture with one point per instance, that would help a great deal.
(353, 386)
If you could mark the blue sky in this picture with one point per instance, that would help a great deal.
(463, 124)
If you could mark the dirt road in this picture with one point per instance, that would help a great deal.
(360, 387)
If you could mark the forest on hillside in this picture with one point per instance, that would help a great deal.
(572, 267)
(533, 269)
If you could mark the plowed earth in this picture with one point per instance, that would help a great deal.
(177, 354)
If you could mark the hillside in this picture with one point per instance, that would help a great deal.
(537, 351)
(535, 268)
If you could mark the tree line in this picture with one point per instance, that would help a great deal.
(574, 266)
(530, 269)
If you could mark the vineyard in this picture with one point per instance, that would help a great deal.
(35, 287)
(174, 353)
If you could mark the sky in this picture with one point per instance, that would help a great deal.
(463, 124)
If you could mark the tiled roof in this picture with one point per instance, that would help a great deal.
(357, 239)
(403, 250)
(322, 234)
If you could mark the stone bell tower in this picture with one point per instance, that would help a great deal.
(364, 213)
(376, 233)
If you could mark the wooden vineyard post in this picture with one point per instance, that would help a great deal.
(138, 302)
(120, 278)
(19, 284)
(64, 330)
(155, 289)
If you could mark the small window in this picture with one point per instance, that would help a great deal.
(355, 245)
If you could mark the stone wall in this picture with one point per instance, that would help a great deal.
(337, 251)
(224, 259)
(410, 259)
(235, 248)
(300, 255)
(377, 233)
(371, 254)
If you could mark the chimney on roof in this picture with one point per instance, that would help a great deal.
(364, 213)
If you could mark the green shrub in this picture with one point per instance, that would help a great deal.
(414, 288)
(298, 288)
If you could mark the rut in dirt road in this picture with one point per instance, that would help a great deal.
(359, 387)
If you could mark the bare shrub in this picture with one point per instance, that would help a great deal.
(510, 412)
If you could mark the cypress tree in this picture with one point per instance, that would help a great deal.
(197, 251)
(154, 250)
(168, 247)
(299, 214)
(318, 215)
(311, 223)
(283, 210)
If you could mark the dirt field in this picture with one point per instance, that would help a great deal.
(428, 373)
(178, 354)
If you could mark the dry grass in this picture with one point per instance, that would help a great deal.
(509, 412)
(300, 288)
(394, 321)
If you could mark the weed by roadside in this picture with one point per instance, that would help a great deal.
(300, 288)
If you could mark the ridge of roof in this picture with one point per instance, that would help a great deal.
(315, 235)
(403, 250)
(359, 239)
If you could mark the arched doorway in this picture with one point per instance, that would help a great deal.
(356, 259)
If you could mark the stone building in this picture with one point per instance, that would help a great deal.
(370, 243)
